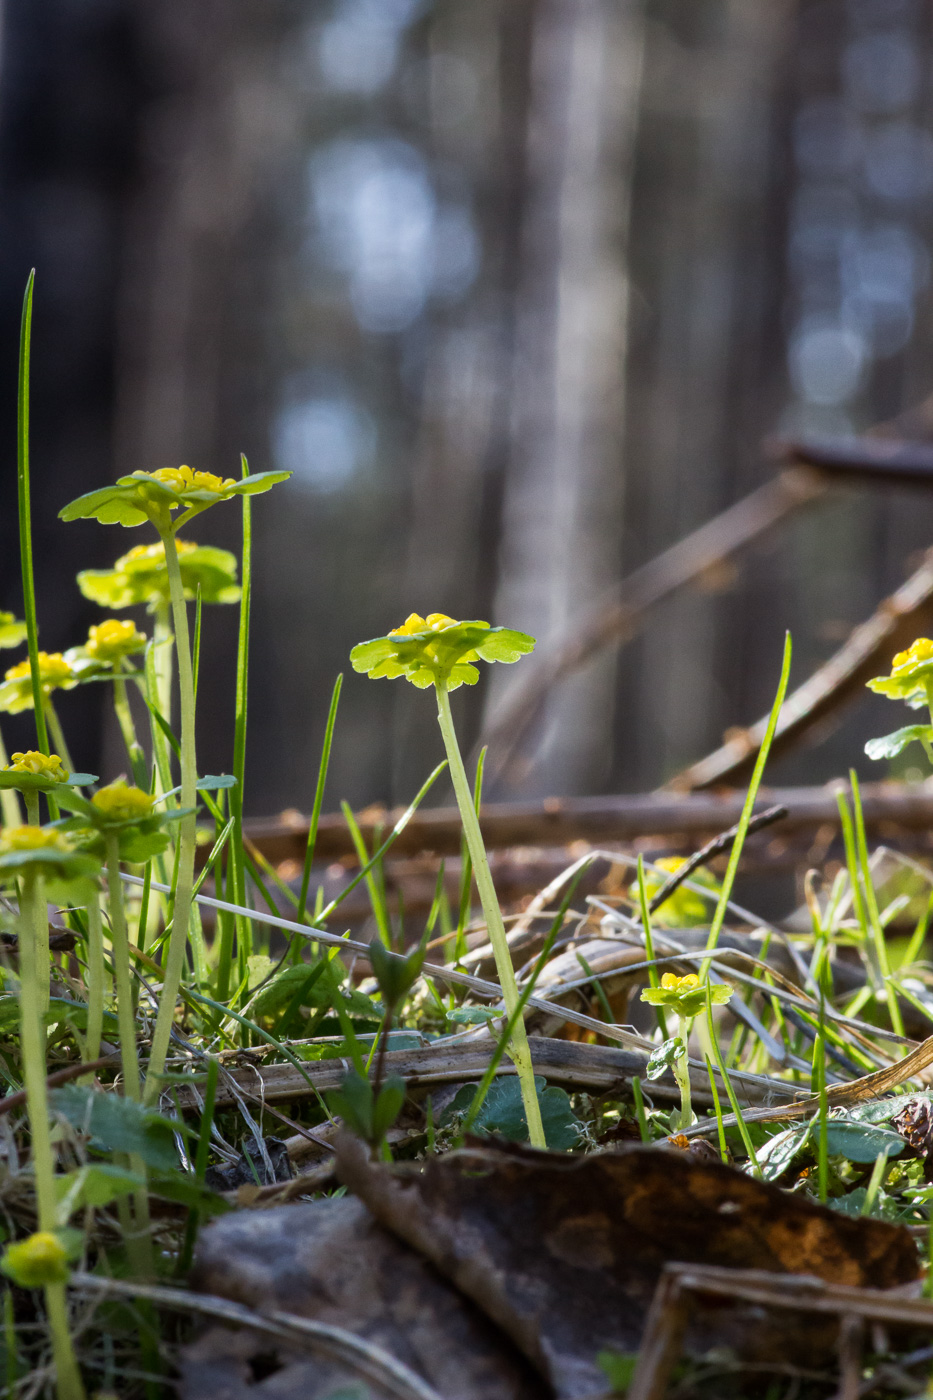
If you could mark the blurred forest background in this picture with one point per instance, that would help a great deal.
(517, 289)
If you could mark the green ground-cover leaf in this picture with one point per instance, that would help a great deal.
(116, 1124)
(503, 1113)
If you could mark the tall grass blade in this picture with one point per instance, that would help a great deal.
(318, 798)
(735, 854)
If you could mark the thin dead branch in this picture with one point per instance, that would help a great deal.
(560, 821)
(679, 1283)
(868, 651)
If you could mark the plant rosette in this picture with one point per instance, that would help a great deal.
(50, 852)
(685, 996)
(910, 680)
(152, 496)
(438, 650)
(141, 577)
(55, 673)
(109, 645)
(38, 772)
(127, 812)
(911, 675)
(12, 631)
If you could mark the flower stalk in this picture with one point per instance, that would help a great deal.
(518, 1046)
(33, 936)
(178, 937)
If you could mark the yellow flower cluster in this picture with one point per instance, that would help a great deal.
(414, 623)
(46, 765)
(119, 802)
(671, 982)
(184, 479)
(113, 639)
(38, 1260)
(34, 838)
(54, 670)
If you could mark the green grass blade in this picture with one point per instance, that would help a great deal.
(24, 499)
(318, 798)
(653, 977)
(735, 854)
(876, 932)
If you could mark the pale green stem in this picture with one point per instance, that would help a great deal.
(58, 735)
(9, 801)
(518, 1046)
(121, 966)
(40, 935)
(141, 1245)
(68, 1384)
(95, 979)
(682, 1073)
(162, 653)
(33, 917)
(178, 938)
(121, 708)
(33, 933)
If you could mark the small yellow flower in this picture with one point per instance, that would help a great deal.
(53, 670)
(671, 982)
(184, 479)
(438, 649)
(111, 640)
(36, 1261)
(33, 838)
(685, 907)
(45, 765)
(414, 623)
(119, 802)
(911, 673)
(55, 673)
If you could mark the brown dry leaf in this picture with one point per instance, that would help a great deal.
(330, 1261)
(564, 1252)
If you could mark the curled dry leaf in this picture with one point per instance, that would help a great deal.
(565, 1252)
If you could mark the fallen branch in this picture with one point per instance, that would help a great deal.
(559, 821)
(867, 652)
(670, 1311)
(593, 1068)
(619, 616)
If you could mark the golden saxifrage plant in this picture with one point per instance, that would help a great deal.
(438, 651)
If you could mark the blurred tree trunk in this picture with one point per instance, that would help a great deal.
(563, 497)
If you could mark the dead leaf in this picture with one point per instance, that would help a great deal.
(330, 1261)
(565, 1252)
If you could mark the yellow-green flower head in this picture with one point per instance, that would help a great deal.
(44, 850)
(14, 839)
(12, 632)
(438, 649)
(686, 996)
(141, 576)
(911, 674)
(41, 764)
(111, 640)
(118, 802)
(55, 673)
(36, 1261)
(184, 480)
(685, 907)
(38, 772)
(154, 495)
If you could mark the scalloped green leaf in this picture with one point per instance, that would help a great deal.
(890, 745)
